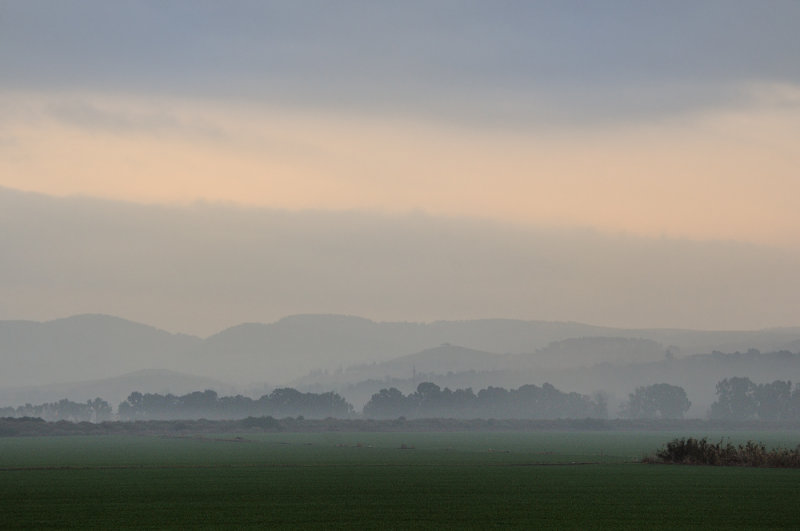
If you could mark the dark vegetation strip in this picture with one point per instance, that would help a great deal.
(294, 465)
(691, 451)
(31, 426)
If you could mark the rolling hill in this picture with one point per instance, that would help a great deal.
(341, 350)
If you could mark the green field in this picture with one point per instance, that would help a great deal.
(365, 480)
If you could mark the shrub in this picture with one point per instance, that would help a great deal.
(266, 423)
(693, 451)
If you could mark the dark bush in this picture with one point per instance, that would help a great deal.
(265, 423)
(700, 452)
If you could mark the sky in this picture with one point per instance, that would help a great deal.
(662, 125)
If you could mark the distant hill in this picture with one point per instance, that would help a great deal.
(114, 390)
(90, 347)
(697, 374)
(86, 347)
(792, 346)
(438, 360)
(589, 351)
(294, 346)
(446, 358)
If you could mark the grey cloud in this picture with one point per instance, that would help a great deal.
(81, 113)
(530, 61)
(201, 268)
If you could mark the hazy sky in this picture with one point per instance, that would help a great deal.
(674, 120)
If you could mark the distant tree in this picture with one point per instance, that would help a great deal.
(196, 404)
(600, 406)
(131, 407)
(657, 401)
(100, 410)
(739, 398)
(428, 400)
(287, 402)
(234, 406)
(388, 403)
(527, 402)
(428, 392)
(736, 400)
(66, 410)
(462, 400)
(774, 400)
(125, 411)
(493, 402)
(207, 404)
(328, 404)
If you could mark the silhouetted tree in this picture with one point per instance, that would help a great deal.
(529, 401)
(100, 410)
(774, 400)
(657, 401)
(387, 403)
(207, 404)
(739, 398)
(96, 410)
(736, 400)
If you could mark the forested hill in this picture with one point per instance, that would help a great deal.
(89, 347)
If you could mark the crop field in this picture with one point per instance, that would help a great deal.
(385, 480)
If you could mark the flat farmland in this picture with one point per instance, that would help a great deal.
(384, 480)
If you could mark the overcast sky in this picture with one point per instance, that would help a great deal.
(674, 123)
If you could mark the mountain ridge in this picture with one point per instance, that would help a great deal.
(92, 346)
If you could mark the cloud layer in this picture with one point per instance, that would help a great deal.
(500, 61)
(415, 160)
(200, 268)
(728, 174)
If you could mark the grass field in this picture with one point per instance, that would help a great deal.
(365, 480)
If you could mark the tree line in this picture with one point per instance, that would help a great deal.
(429, 401)
(526, 402)
(738, 399)
(284, 402)
(96, 410)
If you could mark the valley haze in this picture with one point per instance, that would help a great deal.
(203, 267)
(99, 355)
